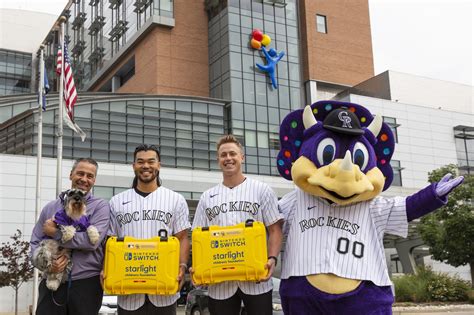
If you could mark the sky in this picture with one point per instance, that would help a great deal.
(429, 38)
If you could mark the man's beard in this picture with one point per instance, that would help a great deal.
(147, 180)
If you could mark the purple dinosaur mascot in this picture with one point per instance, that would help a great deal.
(338, 155)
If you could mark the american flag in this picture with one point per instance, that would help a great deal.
(70, 93)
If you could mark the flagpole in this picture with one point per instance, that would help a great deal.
(59, 136)
(39, 157)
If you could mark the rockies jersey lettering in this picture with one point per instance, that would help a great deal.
(246, 206)
(226, 206)
(344, 240)
(142, 217)
(336, 223)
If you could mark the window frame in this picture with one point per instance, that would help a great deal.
(325, 30)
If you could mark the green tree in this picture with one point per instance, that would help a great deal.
(15, 263)
(449, 231)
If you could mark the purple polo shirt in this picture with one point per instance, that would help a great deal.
(87, 258)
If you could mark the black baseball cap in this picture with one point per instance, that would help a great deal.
(342, 120)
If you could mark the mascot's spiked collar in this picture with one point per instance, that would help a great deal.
(337, 151)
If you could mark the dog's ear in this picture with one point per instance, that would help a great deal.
(63, 196)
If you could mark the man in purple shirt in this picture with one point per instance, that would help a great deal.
(82, 295)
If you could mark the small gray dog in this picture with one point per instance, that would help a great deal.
(70, 220)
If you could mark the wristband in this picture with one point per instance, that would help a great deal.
(184, 265)
(274, 258)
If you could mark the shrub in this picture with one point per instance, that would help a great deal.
(427, 285)
(470, 295)
(444, 288)
(408, 289)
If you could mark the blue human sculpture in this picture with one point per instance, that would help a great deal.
(272, 59)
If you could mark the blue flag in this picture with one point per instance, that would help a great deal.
(42, 93)
(45, 88)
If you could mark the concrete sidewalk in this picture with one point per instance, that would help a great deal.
(462, 309)
(457, 309)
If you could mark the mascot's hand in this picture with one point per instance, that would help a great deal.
(446, 184)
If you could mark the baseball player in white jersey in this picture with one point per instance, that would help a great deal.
(235, 200)
(141, 212)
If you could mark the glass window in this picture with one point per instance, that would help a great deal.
(250, 125)
(284, 96)
(245, 5)
(397, 173)
(249, 111)
(183, 106)
(185, 162)
(252, 169)
(216, 110)
(235, 61)
(236, 85)
(273, 116)
(274, 141)
(226, 89)
(321, 25)
(262, 140)
(234, 19)
(200, 108)
(249, 92)
(237, 111)
(262, 114)
(247, 63)
(464, 140)
(260, 93)
(234, 38)
(5, 113)
(152, 104)
(250, 138)
(272, 96)
(392, 123)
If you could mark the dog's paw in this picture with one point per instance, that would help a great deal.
(68, 232)
(53, 284)
(93, 234)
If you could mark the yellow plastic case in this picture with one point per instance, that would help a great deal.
(148, 266)
(228, 253)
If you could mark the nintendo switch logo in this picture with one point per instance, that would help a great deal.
(127, 256)
(214, 244)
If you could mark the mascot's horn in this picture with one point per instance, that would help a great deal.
(376, 125)
(308, 118)
(346, 163)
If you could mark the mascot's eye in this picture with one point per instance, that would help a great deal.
(326, 151)
(360, 154)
